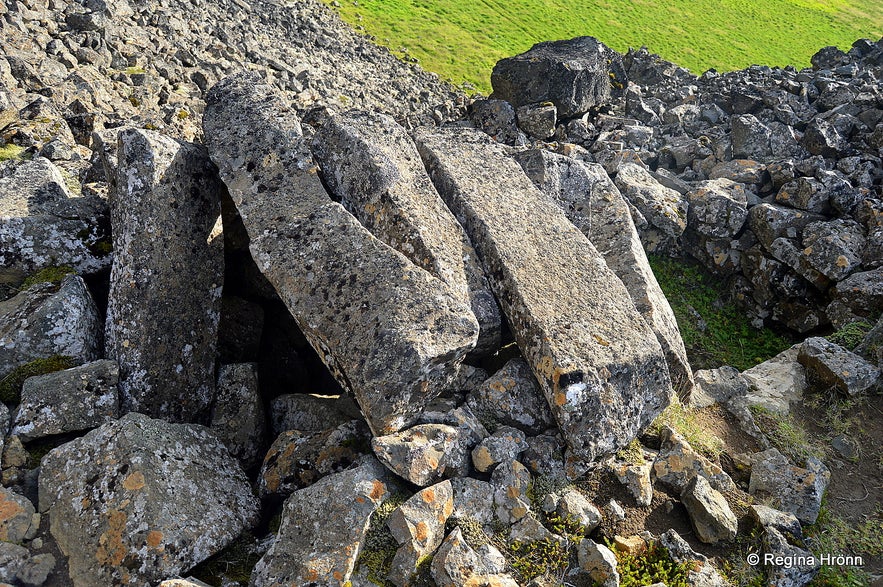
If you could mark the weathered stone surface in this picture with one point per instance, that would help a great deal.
(575, 75)
(511, 481)
(545, 455)
(636, 478)
(751, 138)
(18, 567)
(745, 171)
(68, 401)
(718, 208)
(17, 521)
(528, 530)
(834, 248)
(43, 224)
(297, 459)
(600, 366)
(871, 346)
(505, 444)
(777, 383)
(473, 498)
(389, 331)
(418, 525)
(47, 320)
(238, 415)
(702, 573)
(426, 453)
(803, 569)
(663, 207)
(592, 202)
(372, 166)
(537, 120)
(138, 500)
(188, 582)
(512, 397)
(456, 564)
(782, 521)
(598, 562)
(717, 386)
(805, 193)
(165, 291)
(709, 512)
(677, 464)
(831, 365)
(769, 222)
(788, 252)
(792, 489)
(858, 296)
(306, 412)
(573, 505)
(322, 529)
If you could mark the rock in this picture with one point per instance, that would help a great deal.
(717, 208)
(598, 562)
(634, 545)
(512, 397)
(372, 166)
(42, 224)
(72, 400)
(805, 193)
(823, 138)
(506, 444)
(834, 248)
(767, 517)
(573, 505)
(746, 171)
(858, 296)
(16, 517)
(593, 204)
(238, 415)
(751, 138)
(529, 530)
(239, 330)
(161, 328)
(511, 481)
(717, 386)
(456, 564)
(48, 320)
(636, 478)
(769, 222)
(473, 499)
(801, 567)
(663, 207)
(537, 120)
(426, 453)
(137, 500)
(545, 456)
(709, 512)
(677, 464)
(306, 413)
(323, 529)
(497, 119)
(615, 510)
(18, 567)
(777, 383)
(571, 339)
(575, 75)
(833, 366)
(418, 525)
(377, 321)
(790, 488)
(188, 582)
(298, 459)
(787, 251)
(702, 573)
(467, 424)
(871, 346)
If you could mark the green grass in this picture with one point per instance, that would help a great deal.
(714, 330)
(462, 41)
(10, 152)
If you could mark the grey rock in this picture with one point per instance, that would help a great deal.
(35, 571)
(323, 529)
(505, 444)
(747, 171)
(571, 339)
(831, 365)
(529, 530)
(823, 138)
(72, 400)
(805, 193)
(575, 75)
(513, 397)
(782, 521)
(306, 412)
(456, 564)
(545, 456)
(859, 296)
(188, 582)
(47, 320)
(871, 346)
(834, 248)
(769, 222)
(138, 500)
(497, 118)
(161, 328)
(751, 138)
(13, 559)
(598, 562)
(426, 453)
(678, 463)
(238, 415)
(17, 518)
(710, 515)
(573, 505)
(801, 572)
(777, 383)
(537, 120)
(787, 251)
(592, 202)
(418, 525)
(473, 499)
(376, 320)
(511, 480)
(702, 572)
(636, 478)
(717, 386)
(718, 208)
(792, 489)
(371, 165)
(663, 207)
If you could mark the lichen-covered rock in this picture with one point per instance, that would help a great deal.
(663, 207)
(782, 521)
(418, 525)
(138, 500)
(473, 498)
(306, 412)
(575, 75)
(859, 296)
(513, 397)
(717, 208)
(323, 528)
(545, 456)
(776, 383)
(677, 464)
(717, 386)
(18, 567)
(769, 222)
(505, 444)
(805, 193)
(165, 290)
(456, 564)
(498, 119)
(17, 517)
(834, 248)
(537, 120)
(831, 365)
(635, 477)
(800, 572)
(702, 573)
(46, 320)
(68, 401)
(391, 333)
(42, 224)
(751, 138)
(372, 166)
(598, 562)
(238, 414)
(426, 453)
(600, 366)
(709, 512)
(574, 506)
(790, 488)
(511, 480)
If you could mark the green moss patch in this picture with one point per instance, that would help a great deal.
(54, 274)
(10, 152)
(654, 565)
(10, 385)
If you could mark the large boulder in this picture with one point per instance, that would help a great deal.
(138, 500)
(575, 75)
(600, 366)
(391, 333)
(165, 282)
(372, 166)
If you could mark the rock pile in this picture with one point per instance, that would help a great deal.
(366, 347)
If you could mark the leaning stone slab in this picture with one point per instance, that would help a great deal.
(592, 202)
(166, 278)
(833, 366)
(663, 207)
(599, 364)
(75, 399)
(138, 500)
(710, 515)
(790, 488)
(371, 164)
(777, 383)
(322, 530)
(391, 333)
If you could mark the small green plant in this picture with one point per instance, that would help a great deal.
(851, 335)
(10, 385)
(833, 534)
(654, 565)
(548, 557)
(633, 453)
(470, 528)
(53, 274)
(234, 563)
(567, 526)
(787, 435)
(686, 422)
(380, 547)
(10, 152)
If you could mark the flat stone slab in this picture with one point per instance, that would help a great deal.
(371, 164)
(600, 366)
(391, 333)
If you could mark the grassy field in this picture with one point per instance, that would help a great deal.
(461, 41)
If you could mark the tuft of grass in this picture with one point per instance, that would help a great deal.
(833, 534)
(10, 152)
(788, 435)
(53, 274)
(10, 385)
(233, 564)
(686, 422)
(633, 453)
(714, 330)
(851, 335)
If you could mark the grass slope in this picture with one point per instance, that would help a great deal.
(461, 41)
